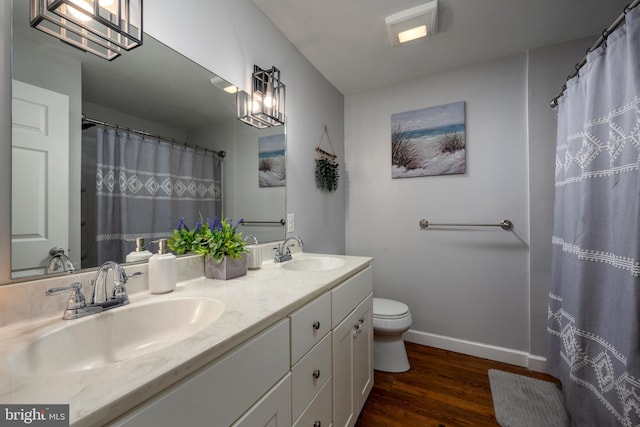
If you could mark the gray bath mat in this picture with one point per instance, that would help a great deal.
(526, 402)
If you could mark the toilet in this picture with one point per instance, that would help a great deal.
(391, 319)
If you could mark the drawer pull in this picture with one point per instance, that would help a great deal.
(317, 423)
(316, 325)
(316, 374)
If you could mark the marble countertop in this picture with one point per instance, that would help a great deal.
(98, 395)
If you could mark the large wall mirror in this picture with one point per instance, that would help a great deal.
(151, 89)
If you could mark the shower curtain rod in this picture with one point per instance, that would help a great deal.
(601, 40)
(221, 154)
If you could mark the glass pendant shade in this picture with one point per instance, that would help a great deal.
(265, 106)
(268, 96)
(244, 107)
(103, 27)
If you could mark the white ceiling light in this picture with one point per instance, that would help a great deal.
(411, 24)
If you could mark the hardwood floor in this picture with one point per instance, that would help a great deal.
(442, 389)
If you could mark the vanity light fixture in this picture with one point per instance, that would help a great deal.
(265, 106)
(414, 23)
(105, 28)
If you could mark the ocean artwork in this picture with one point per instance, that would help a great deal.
(272, 170)
(430, 141)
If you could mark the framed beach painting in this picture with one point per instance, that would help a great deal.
(272, 170)
(430, 141)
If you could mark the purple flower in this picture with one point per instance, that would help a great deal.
(182, 225)
(217, 225)
(198, 225)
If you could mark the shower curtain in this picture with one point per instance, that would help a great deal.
(594, 300)
(144, 186)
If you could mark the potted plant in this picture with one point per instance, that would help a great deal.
(218, 241)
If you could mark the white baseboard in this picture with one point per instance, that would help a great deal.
(485, 351)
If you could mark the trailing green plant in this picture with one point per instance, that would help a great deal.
(327, 174)
(209, 238)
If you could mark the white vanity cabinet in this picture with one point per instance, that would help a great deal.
(220, 393)
(352, 320)
(314, 368)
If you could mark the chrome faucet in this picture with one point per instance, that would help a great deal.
(283, 253)
(78, 307)
(118, 293)
(59, 261)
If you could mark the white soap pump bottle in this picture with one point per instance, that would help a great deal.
(162, 270)
(140, 254)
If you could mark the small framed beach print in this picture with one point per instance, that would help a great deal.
(272, 170)
(430, 141)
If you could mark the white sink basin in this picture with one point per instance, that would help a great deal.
(319, 263)
(114, 336)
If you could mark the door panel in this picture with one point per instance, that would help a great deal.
(40, 176)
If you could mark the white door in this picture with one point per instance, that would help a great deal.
(40, 176)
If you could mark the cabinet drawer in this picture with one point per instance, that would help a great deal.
(225, 389)
(318, 414)
(348, 295)
(309, 325)
(310, 374)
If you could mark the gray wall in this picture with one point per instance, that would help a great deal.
(483, 292)
(465, 284)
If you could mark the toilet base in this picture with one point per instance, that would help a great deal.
(389, 353)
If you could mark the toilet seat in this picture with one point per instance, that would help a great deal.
(389, 309)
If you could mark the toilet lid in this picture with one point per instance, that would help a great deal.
(389, 309)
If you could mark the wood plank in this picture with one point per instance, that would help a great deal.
(442, 389)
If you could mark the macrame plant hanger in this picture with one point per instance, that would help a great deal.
(327, 175)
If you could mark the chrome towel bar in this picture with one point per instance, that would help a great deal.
(279, 222)
(505, 224)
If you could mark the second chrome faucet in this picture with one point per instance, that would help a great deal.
(283, 252)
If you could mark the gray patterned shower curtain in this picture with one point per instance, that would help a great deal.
(145, 185)
(594, 300)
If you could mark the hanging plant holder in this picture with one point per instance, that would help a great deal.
(327, 174)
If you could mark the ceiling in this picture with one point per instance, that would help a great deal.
(346, 40)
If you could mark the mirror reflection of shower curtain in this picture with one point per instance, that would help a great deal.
(594, 298)
(143, 186)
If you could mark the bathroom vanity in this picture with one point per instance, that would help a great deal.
(291, 346)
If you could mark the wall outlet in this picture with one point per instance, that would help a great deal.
(291, 226)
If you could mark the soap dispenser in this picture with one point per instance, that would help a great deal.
(162, 270)
(140, 254)
(254, 255)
